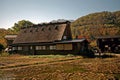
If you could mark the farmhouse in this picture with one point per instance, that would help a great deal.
(109, 43)
(48, 38)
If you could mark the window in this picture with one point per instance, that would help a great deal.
(106, 46)
(43, 47)
(38, 47)
(118, 45)
(109, 48)
(52, 47)
(31, 47)
(19, 48)
(14, 48)
(64, 37)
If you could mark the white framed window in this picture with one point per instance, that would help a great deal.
(64, 37)
(38, 47)
(19, 48)
(52, 47)
(14, 48)
(106, 46)
(43, 47)
(31, 47)
(118, 45)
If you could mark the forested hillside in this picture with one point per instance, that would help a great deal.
(97, 24)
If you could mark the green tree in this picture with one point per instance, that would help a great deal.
(20, 24)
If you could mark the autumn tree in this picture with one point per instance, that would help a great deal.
(97, 24)
(17, 26)
(1, 47)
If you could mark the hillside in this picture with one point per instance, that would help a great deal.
(97, 24)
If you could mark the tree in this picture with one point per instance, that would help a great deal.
(19, 25)
(1, 47)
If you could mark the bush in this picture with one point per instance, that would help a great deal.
(4, 54)
(1, 47)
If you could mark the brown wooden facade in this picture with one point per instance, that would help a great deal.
(59, 47)
(50, 38)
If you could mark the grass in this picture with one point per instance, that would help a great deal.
(74, 69)
(63, 67)
(117, 76)
(4, 54)
(51, 56)
(14, 61)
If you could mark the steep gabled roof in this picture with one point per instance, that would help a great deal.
(41, 33)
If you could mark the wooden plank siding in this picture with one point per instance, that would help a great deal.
(64, 47)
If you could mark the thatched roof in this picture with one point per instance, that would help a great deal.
(10, 36)
(41, 33)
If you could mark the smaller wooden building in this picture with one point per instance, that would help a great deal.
(109, 43)
(10, 38)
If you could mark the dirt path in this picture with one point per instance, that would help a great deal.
(38, 64)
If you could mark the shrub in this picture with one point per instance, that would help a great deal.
(4, 54)
(1, 47)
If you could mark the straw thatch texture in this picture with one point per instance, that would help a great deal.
(41, 33)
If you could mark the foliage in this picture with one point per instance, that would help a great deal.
(4, 54)
(97, 24)
(1, 47)
(20, 24)
(3, 32)
(13, 30)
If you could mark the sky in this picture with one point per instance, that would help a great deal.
(37, 11)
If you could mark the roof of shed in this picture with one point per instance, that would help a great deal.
(72, 41)
(10, 36)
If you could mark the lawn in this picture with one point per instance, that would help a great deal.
(58, 67)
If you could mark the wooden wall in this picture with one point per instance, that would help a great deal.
(64, 46)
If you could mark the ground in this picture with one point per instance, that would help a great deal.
(57, 67)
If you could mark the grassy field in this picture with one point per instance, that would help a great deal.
(58, 67)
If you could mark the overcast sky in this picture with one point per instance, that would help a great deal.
(37, 11)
